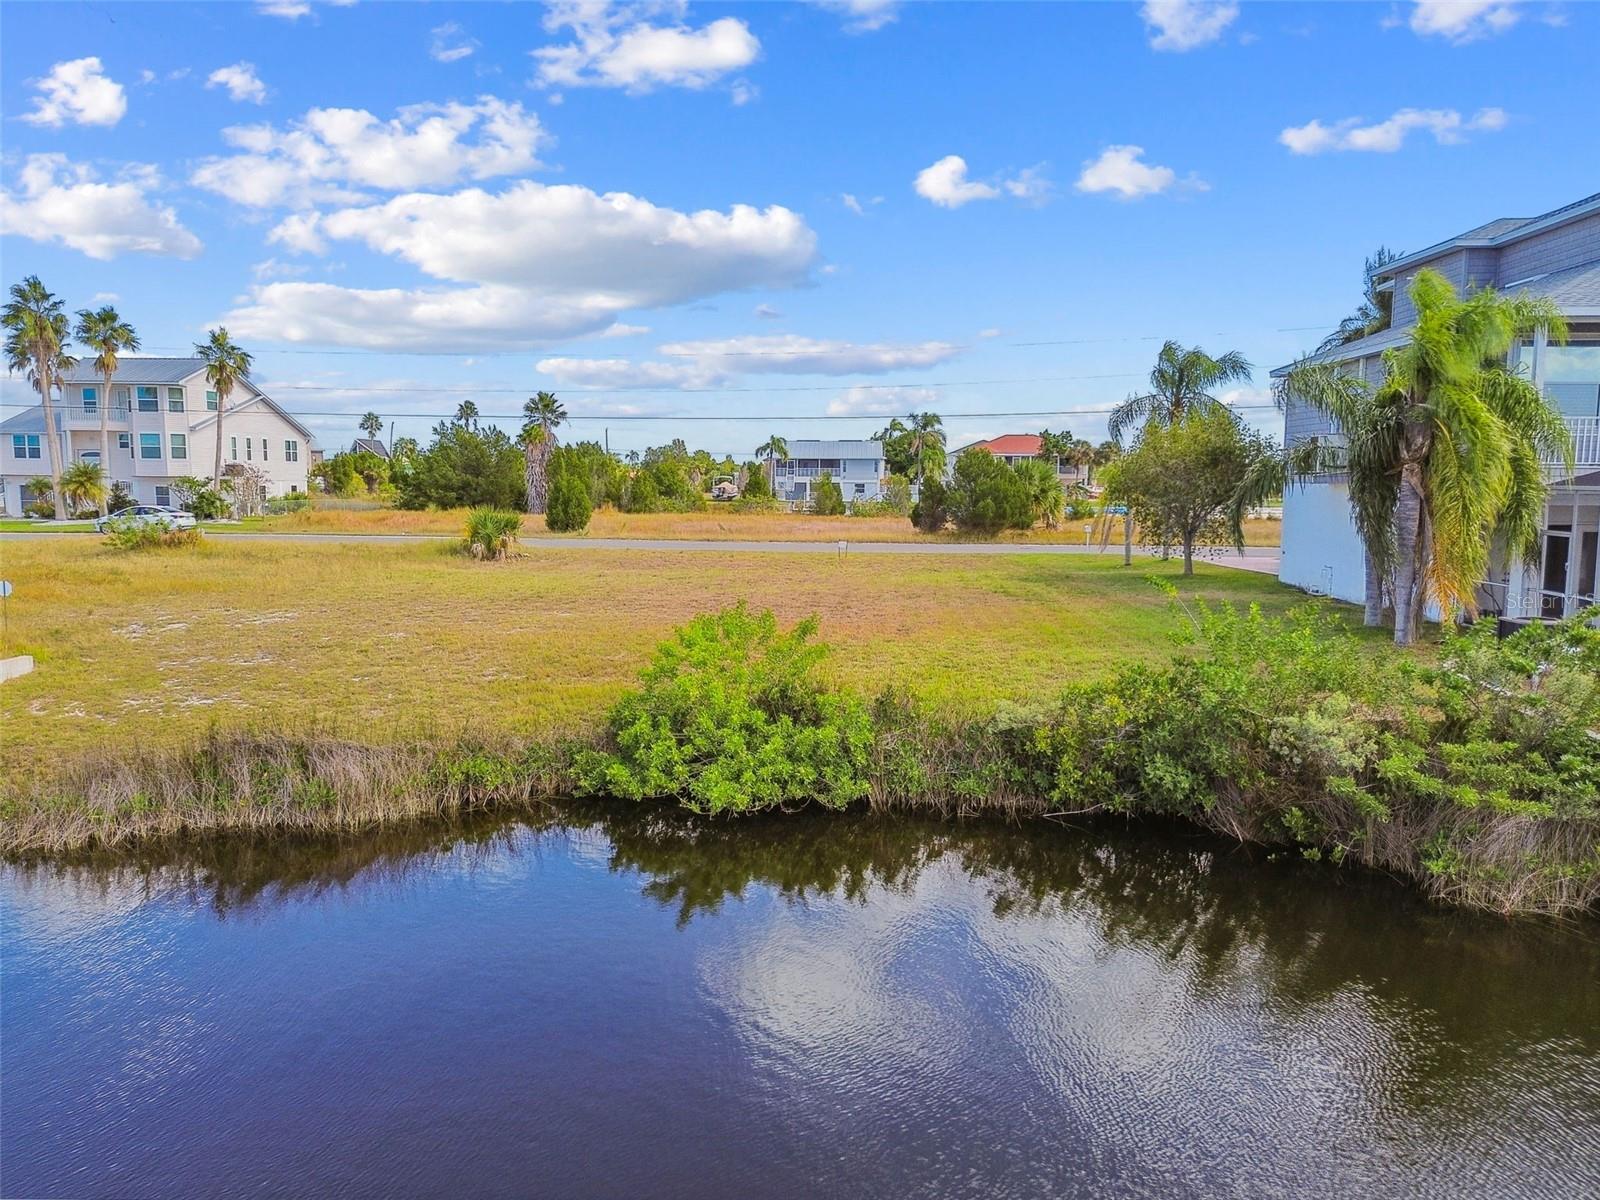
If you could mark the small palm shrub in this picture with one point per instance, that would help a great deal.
(130, 533)
(731, 717)
(569, 506)
(491, 532)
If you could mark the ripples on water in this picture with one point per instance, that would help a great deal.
(635, 1003)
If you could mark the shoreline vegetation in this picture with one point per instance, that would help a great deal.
(1475, 778)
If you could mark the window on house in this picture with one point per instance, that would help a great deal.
(175, 399)
(211, 400)
(180, 445)
(124, 441)
(163, 496)
(149, 445)
(294, 487)
(91, 400)
(89, 456)
(263, 449)
(25, 445)
(148, 400)
(861, 489)
(248, 453)
(291, 450)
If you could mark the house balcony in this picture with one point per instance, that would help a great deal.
(1585, 440)
(77, 415)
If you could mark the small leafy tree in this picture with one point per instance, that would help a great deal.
(200, 498)
(827, 500)
(1180, 479)
(642, 495)
(986, 496)
(465, 467)
(569, 508)
(756, 486)
(732, 717)
(930, 513)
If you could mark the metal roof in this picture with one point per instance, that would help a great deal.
(850, 448)
(136, 370)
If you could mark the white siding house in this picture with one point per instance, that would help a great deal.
(856, 465)
(162, 416)
(1555, 255)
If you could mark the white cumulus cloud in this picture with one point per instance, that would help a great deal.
(60, 201)
(620, 46)
(77, 92)
(535, 264)
(1446, 125)
(1186, 24)
(289, 10)
(332, 153)
(1460, 21)
(1121, 170)
(242, 82)
(946, 184)
(864, 401)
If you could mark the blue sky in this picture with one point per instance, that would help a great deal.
(764, 212)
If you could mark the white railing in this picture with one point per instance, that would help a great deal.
(1585, 440)
(78, 411)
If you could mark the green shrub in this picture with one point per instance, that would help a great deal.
(732, 718)
(642, 495)
(894, 502)
(134, 533)
(197, 496)
(756, 486)
(491, 532)
(986, 496)
(569, 507)
(826, 498)
(929, 514)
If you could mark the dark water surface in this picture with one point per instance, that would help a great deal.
(632, 1004)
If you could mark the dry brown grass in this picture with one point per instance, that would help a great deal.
(380, 641)
(715, 524)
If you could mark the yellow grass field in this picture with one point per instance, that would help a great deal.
(386, 640)
(716, 524)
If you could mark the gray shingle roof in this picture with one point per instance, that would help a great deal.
(371, 446)
(137, 370)
(1573, 288)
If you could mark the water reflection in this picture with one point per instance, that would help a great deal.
(1106, 1009)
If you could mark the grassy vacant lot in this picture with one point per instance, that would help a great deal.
(716, 524)
(385, 640)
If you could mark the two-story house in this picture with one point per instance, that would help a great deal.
(1556, 255)
(856, 465)
(1019, 447)
(162, 417)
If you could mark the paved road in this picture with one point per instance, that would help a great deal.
(1263, 559)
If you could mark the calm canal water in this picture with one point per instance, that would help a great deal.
(634, 1004)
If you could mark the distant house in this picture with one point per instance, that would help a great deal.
(1554, 255)
(363, 445)
(162, 416)
(1017, 447)
(855, 465)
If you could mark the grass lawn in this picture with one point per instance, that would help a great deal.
(713, 525)
(385, 640)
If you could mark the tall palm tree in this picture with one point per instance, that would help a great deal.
(108, 335)
(544, 413)
(226, 366)
(1377, 307)
(371, 424)
(1446, 455)
(1181, 381)
(774, 449)
(467, 414)
(36, 340)
(927, 444)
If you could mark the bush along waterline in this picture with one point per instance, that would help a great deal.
(1476, 775)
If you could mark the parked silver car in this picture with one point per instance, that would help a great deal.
(149, 514)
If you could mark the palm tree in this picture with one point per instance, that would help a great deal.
(774, 450)
(36, 340)
(1445, 456)
(927, 444)
(84, 483)
(544, 413)
(467, 414)
(226, 366)
(371, 424)
(1376, 310)
(1181, 381)
(107, 334)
